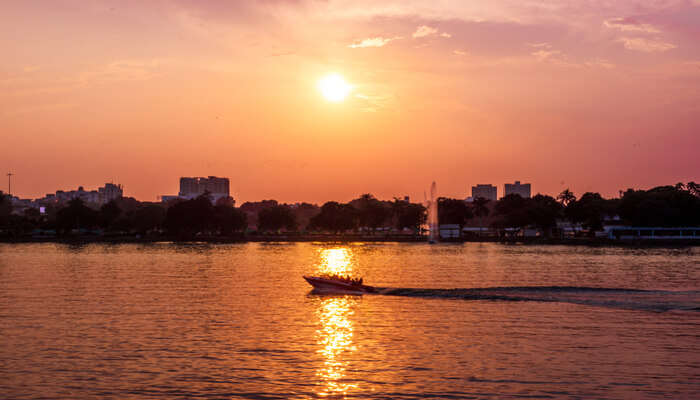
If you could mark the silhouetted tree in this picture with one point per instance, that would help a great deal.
(335, 217)
(566, 197)
(589, 211)
(226, 201)
(275, 218)
(5, 208)
(229, 219)
(408, 215)
(480, 209)
(190, 216)
(512, 212)
(660, 206)
(148, 217)
(453, 211)
(543, 212)
(108, 214)
(76, 216)
(304, 212)
(372, 213)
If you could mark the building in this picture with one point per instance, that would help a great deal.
(523, 189)
(194, 187)
(488, 192)
(110, 192)
(100, 196)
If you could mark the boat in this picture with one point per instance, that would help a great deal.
(336, 285)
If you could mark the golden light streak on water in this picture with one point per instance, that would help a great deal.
(335, 339)
(336, 261)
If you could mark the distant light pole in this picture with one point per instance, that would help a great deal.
(9, 183)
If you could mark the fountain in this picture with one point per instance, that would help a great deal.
(432, 206)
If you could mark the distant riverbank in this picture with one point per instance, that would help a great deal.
(344, 238)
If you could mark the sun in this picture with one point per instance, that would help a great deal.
(334, 88)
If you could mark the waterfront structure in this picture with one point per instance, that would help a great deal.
(449, 231)
(649, 233)
(488, 192)
(196, 186)
(523, 189)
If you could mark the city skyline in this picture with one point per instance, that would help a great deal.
(191, 187)
(363, 97)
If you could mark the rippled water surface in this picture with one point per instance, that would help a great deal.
(452, 321)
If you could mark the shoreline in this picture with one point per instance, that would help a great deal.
(90, 239)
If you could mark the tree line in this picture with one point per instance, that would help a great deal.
(674, 205)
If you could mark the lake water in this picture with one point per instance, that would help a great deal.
(456, 321)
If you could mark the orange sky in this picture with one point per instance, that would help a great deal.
(590, 95)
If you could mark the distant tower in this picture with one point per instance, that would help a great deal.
(9, 183)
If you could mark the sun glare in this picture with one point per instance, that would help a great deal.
(334, 88)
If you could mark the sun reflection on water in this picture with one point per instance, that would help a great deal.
(335, 333)
(336, 261)
(335, 339)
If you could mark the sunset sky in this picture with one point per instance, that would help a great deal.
(590, 95)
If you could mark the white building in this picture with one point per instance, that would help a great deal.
(523, 189)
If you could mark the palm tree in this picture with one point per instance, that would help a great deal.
(566, 197)
(693, 188)
(480, 210)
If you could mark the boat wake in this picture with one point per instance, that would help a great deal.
(645, 300)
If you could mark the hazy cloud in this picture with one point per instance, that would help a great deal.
(544, 55)
(630, 25)
(423, 31)
(600, 63)
(373, 42)
(646, 45)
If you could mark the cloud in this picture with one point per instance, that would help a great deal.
(646, 45)
(544, 51)
(373, 42)
(599, 62)
(423, 31)
(459, 52)
(374, 102)
(629, 25)
(544, 55)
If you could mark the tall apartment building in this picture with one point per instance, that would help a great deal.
(193, 187)
(523, 189)
(488, 192)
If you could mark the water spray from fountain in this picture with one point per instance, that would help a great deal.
(432, 206)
